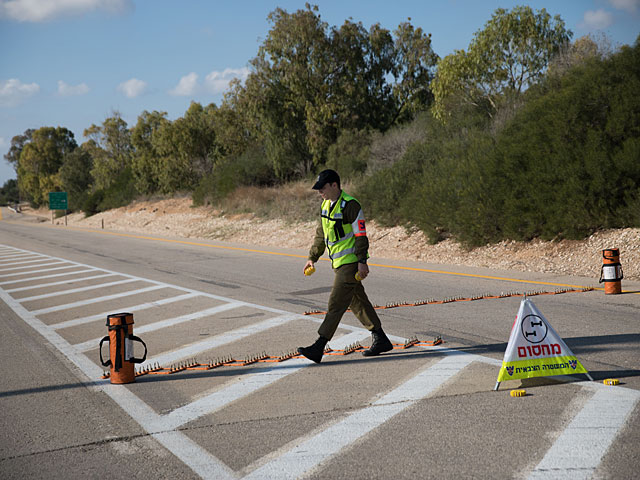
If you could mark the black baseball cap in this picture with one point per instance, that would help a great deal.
(326, 176)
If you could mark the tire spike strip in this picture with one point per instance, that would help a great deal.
(229, 361)
(485, 296)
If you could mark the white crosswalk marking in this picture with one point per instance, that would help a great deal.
(62, 282)
(588, 435)
(190, 351)
(76, 290)
(578, 451)
(42, 277)
(19, 255)
(66, 267)
(12, 269)
(89, 344)
(131, 308)
(246, 386)
(89, 301)
(308, 454)
(21, 262)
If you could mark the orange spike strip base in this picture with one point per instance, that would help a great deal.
(229, 361)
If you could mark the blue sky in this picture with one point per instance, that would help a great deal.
(72, 63)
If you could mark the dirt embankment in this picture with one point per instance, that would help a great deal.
(176, 217)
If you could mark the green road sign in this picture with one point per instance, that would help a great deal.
(58, 201)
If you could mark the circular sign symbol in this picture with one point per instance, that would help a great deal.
(534, 329)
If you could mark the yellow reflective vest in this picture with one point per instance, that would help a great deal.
(340, 237)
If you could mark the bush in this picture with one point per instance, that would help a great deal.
(121, 192)
(383, 192)
(387, 148)
(348, 156)
(438, 185)
(563, 165)
(251, 168)
(9, 193)
(571, 156)
(91, 205)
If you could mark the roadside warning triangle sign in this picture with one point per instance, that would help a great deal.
(535, 349)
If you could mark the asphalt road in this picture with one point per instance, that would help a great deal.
(421, 412)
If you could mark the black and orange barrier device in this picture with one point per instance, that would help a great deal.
(229, 361)
(121, 338)
(611, 273)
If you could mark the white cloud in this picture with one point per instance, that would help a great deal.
(3, 142)
(218, 82)
(188, 85)
(215, 82)
(598, 19)
(66, 90)
(13, 91)
(132, 88)
(630, 6)
(43, 10)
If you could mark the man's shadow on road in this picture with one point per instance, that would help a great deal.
(580, 346)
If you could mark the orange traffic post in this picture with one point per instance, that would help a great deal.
(121, 358)
(611, 273)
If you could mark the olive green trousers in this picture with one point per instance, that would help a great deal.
(347, 292)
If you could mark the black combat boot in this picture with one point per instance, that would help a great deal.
(380, 344)
(314, 352)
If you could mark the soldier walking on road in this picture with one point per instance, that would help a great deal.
(342, 232)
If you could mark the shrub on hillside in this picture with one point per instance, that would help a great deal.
(251, 168)
(121, 192)
(349, 154)
(565, 164)
(91, 204)
(387, 148)
(571, 156)
(438, 184)
(9, 193)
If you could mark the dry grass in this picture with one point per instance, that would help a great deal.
(293, 202)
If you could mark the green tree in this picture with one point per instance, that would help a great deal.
(40, 161)
(188, 148)
(511, 53)
(9, 193)
(146, 155)
(311, 82)
(75, 176)
(235, 129)
(110, 147)
(17, 144)
(413, 70)
(287, 82)
(564, 166)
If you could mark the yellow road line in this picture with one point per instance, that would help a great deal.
(186, 242)
(267, 252)
(474, 275)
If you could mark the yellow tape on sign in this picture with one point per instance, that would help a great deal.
(542, 367)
